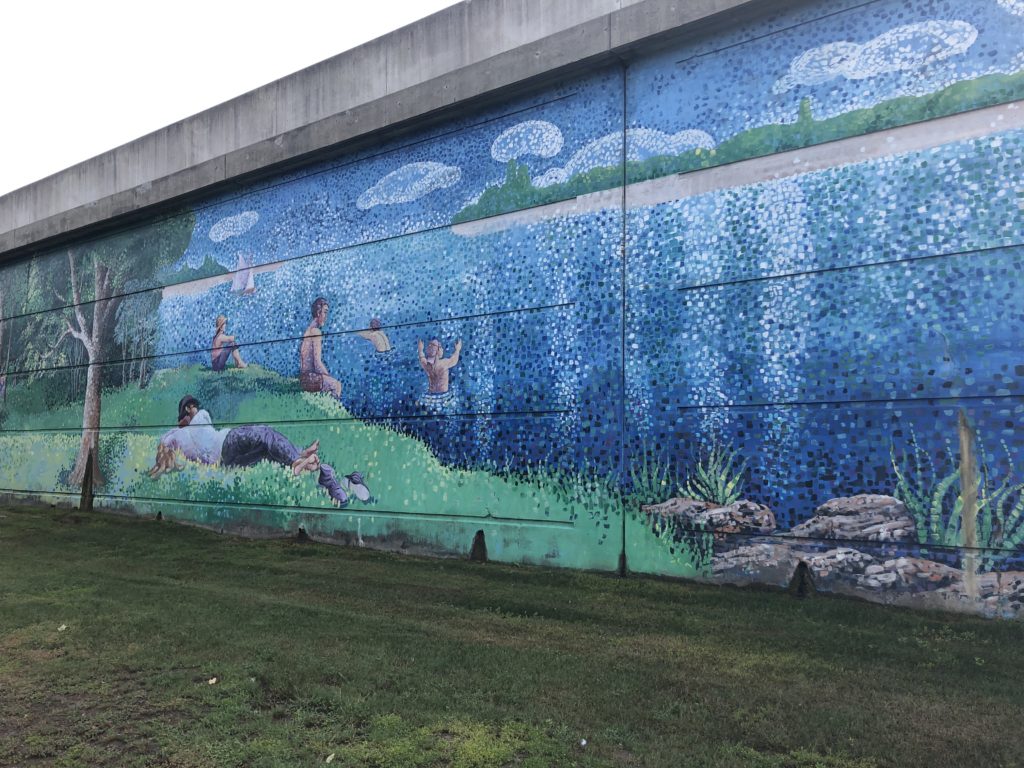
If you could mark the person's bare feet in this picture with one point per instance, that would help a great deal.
(305, 464)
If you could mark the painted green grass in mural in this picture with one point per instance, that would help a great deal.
(138, 643)
(401, 471)
(517, 190)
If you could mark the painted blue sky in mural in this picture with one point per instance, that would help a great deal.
(858, 55)
(401, 188)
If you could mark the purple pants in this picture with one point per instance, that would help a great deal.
(220, 359)
(253, 443)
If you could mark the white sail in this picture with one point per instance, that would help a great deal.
(242, 281)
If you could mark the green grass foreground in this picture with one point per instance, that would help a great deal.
(112, 632)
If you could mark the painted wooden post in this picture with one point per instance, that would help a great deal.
(969, 497)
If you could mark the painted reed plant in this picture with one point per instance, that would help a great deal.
(652, 480)
(935, 499)
(717, 476)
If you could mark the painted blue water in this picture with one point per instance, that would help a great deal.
(814, 323)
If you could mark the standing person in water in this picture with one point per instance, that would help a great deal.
(223, 347)
(436, 365)
(376, 336)
(313, 374)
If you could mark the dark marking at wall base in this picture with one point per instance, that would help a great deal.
(478, 550)
(802, 584)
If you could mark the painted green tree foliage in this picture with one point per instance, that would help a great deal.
(136, 331)
(14, 288)
(94, 287)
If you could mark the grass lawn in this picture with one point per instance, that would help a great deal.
(113, 631)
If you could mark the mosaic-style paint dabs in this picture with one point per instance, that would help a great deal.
(744, 308)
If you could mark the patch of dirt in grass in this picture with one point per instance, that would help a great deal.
(70, 519)
(624, 757)
(742, 755)
(99, 726)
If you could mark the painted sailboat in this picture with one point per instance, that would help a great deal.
(242, 282)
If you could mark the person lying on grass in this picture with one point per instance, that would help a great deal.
(246, 446)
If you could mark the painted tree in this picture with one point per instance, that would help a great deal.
(4, 324)
(96, 281)
(136, 331)
(13, 296)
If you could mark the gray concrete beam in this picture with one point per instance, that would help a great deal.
(460, 54)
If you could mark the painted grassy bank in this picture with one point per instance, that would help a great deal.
(402, 473)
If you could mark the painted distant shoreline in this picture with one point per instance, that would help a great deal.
(517, 190)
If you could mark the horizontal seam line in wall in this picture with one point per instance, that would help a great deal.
(681, 289)
(225, 275)
(778, 31)
(843, 268)
(341, 510)
(336, 166)
(785, 536)
(24, 492)
(938, 401)
(279, 262)
(359, 420)
(292, 339)
(439, 227)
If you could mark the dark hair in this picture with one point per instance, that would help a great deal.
(317, 305)
(184, 403)
(375, 324)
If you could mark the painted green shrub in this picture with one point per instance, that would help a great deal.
(934, 498)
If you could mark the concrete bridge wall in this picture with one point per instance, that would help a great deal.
(472, 50)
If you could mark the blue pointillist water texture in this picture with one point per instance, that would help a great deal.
(816, 323)
(819, 323)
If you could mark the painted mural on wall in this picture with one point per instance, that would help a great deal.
(811, 364)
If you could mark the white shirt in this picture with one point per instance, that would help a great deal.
(199, 441)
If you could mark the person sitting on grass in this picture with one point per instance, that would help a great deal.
(246, 446)
(313, 374)
(223, 346)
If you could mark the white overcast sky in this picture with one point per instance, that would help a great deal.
(78, 78)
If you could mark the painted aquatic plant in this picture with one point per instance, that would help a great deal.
(936, 502)
(716, 477)
(652, 480)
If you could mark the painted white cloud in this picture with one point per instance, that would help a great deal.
(1015, 7)
(230, 226)
(641, 143)
(531, 137)
(408, 183)
(902, 48)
